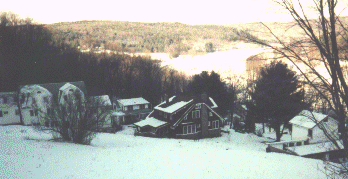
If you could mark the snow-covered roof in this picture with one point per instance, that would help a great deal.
(118, 113)
(133, 101)
(174, 107)
(103, 100)
(8, 93)
(307, 119)
(214, 104)
(31, 88)
(315, 148)
(150, 121)
(244, 106)
(236, 115)
(67, 86)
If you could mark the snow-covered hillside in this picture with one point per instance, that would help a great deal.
(123, 155)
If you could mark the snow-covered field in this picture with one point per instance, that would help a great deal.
(26, 153)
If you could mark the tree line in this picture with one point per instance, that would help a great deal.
(32, 54)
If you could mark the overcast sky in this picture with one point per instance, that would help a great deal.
(185, 11)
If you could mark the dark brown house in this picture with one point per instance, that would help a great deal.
(182, 117)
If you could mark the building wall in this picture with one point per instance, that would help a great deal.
(299, 133)
(10, 117)
(28, 119)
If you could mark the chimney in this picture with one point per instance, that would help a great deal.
(204, 97)
(166, 98)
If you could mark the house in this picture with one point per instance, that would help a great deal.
(188, 117)
(9, 113)
(36, 99)
(131, 110)
(104, 111)
(308, 125)
(240, 112)
(308, 138)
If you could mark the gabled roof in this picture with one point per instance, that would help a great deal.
(172, 107)
(150, 121)
(177, 102)
(308, 119)
(133, 101)
(54, 87)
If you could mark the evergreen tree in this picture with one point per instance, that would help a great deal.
(214, 87)
(278, 96)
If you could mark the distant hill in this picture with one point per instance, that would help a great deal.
(166, 36)
(144, 37)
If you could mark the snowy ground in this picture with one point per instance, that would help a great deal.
(271, 134)
(122, 155)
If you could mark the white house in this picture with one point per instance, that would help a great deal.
(131, 110)
(9, 113)
(309, 125)
(69, 92)
(34, 98)
(37, 99)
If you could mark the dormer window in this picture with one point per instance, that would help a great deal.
(4, 100)
(71, 90)
(135, 107)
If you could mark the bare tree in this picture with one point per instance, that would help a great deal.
(76, 120)
(317, 56)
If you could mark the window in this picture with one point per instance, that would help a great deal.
(189, 129)
(136, 107)
(38, 92)
(45, 99)
(198, 106)
(195, 114)
(326, 119)
(36, 112)
(31, 113)
(215, 124)
(208, 123)
(146, 106)
(17, 111)
(65, 97)
(5, 112)
(310, 133)
(210, 114)
(71, 90)
(165, 115)
(125, 108)
(160, 113)
(0, 113)
(4, 100)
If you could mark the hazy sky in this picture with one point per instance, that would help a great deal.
(185, 11)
